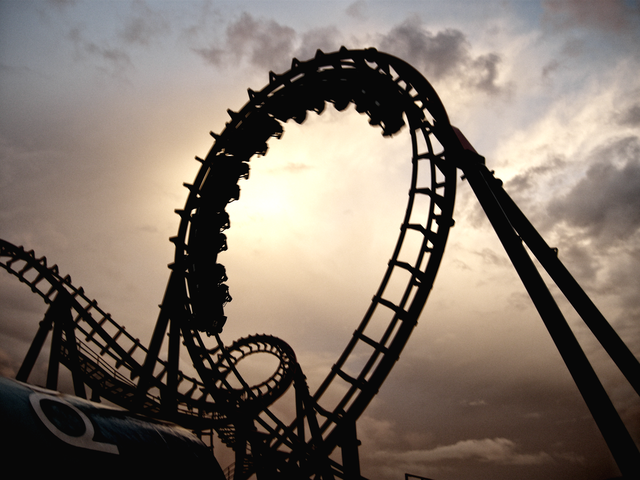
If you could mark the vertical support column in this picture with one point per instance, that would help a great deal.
(240, 450)
(166, 312)
(54, 354)
(74, 356)
(349, 445)
(170, 392)
(315, 457)
(606, 417)
(59, 316)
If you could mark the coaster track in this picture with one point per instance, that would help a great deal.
(388, 91)
(392, 94)
(102, 355)
(109, 359)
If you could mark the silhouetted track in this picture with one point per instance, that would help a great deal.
(101, 354)
(109, 359)
(118, 367)
(391, 94)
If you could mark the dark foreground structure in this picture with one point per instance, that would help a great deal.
(321, 442)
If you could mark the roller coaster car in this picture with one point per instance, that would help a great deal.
(47, 433)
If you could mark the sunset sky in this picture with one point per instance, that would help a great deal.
(105, 104)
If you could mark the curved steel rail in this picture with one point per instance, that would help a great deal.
(111, 358)
(266, 391)
(392, 94)
(389, 91)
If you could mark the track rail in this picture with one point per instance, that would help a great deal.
(391, 93)
(110, 359)
(101, 354)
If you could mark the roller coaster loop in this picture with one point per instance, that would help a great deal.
(102, 356)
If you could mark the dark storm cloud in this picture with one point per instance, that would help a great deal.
(424, 439)
(263, 41)
(607, 200)
(267, 44)
(596, 223)
(7, 368)
(443, 55)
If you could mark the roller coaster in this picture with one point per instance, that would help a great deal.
(216, 400)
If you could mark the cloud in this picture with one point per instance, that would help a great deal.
(439, 55)
(326, 39)
(6, 365)
(496, 450)
(443, 55)
(490, 257)
(474, 403)
(522, 184)
(486, 68)
(550, 68)
(113, 59)
(144, 26)
(264, 43)
(356, 9)
(607, 200)
(267, 44)
(630, 117)
(610, 16)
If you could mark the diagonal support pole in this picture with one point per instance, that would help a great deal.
(36, 347)
(620, 443)
(72, 353)
(305, 409)
(166, 321)
(548, 258)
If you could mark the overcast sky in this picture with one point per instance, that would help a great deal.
(105, 104)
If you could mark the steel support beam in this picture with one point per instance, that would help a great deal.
(36, 347)
(548, 258)
(620, 443)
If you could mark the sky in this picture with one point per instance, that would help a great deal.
(105, 104)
